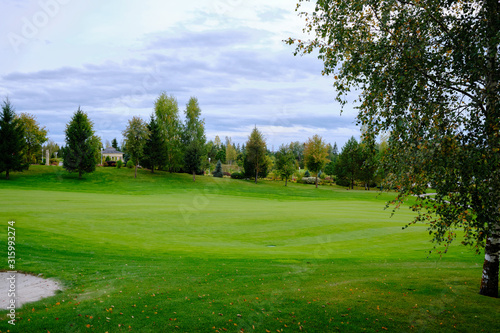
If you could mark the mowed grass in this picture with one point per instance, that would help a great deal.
(160, 253)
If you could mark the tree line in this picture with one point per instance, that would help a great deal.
(166, 143)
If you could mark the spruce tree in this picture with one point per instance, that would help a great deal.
(79, 153)
(218, 170)
(12, 141)
(154, 149)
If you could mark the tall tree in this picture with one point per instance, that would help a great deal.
(256, 151)
(114, 144)
(428, 72)
(369, 164)
(285, 161)
(34, 135)
(80, 151)
(194, 138)
(12, 141)
(154, 147)
(230, 151)
(167, 115)
(136, 135)
(349, 162)
(315, 155)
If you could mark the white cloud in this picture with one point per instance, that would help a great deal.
(114, 58)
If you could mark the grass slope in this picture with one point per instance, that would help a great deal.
(161, 253)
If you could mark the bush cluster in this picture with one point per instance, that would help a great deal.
(238, 175)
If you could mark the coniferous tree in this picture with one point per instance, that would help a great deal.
(80, 151)
(218, 170)
(349, 162)
(114, 144)
(154, 148)
(12, 142)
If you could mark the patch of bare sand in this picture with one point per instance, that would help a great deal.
(28, 288)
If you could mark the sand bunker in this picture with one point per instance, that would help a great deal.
(28, 288)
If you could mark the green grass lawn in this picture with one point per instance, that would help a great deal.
(160, 253)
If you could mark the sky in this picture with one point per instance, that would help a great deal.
(114, 58)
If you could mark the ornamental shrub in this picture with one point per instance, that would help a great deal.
(307, 174)
(130, 164)
(218, 170)
(238, 175)
(119, 164)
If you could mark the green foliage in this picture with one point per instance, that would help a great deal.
(218, 170)
(349, 162)
(167, 115)
(221, 155)
(315, 155)
(330, 168)
(80, 153)
(428, 72)
(107, 158)
(238, 175)
(256, 153)
(154, 147)
(12, 141)
(114, 144)
(230, 151)
(194, 138)
(285, 162)
(307, 174)
(130, 164)
(119, 164)
(136, 135)
(34, 135)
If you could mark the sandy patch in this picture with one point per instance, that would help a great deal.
(28, 288)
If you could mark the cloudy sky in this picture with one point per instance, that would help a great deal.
(113, 58)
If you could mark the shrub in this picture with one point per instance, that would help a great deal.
(298, 176)
(218, 170)
(307, 174)
(130, 164)
(343, 182)
(238, 175)
(119, 164)
(53, 161)
(225, 173)
(107, 159)
(308, 180)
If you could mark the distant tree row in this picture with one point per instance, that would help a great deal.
(166, 143)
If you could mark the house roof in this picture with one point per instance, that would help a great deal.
(111, 150)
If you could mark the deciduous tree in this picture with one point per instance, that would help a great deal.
(194, 138)
(256, 151)
(136, 135)
(429, 72)
(34, 135)
(285, 161)
(167, 115)
(315, 155)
